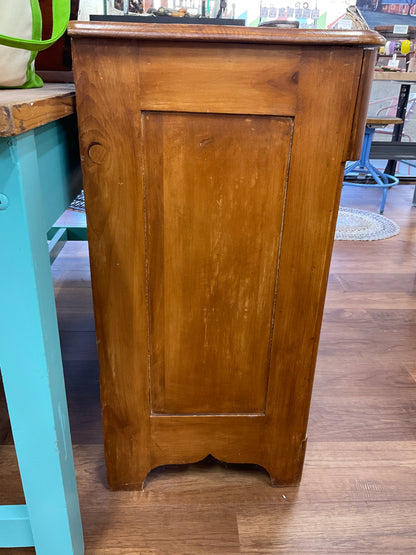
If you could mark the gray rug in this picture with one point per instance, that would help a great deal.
(359, 225)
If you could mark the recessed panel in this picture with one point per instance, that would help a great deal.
(215, 188)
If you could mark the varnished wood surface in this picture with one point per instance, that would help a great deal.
(388, 120)
(110, 127)
(208, 280)
(218, 33)
(195, 300)
(358, 491)
(361, 106)
(170, 73)
(403, 76)
(25, 109)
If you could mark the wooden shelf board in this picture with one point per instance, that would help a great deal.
(25, 109)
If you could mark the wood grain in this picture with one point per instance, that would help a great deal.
(114, 200)
(361, 107)
(192, 215)
(405, 77)
(216, 294)
(307, 241)
(357, 493)
(352, 528)
(25, 109)
(218, 33)
(171, 73)
(389, 120)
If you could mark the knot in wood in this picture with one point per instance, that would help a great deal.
(97, 153)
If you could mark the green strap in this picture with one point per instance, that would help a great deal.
(61, 10)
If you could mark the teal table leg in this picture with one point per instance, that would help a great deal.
(31, 365)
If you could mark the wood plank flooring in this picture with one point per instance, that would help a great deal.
(358, 491)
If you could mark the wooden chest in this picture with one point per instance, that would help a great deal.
(213, 160)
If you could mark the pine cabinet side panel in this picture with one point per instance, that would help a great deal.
(328, 86)
(219, 78)
(111, 152)
(215, 188)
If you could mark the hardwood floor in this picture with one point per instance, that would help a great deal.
(358, 491)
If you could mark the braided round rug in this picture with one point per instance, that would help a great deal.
(352, 224)
(78, 203)
(359, 225)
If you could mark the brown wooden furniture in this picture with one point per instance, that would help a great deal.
(213, 162)
(383, 121)
(24, 109)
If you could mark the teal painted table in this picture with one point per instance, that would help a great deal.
(38, 179)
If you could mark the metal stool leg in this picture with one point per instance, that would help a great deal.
(383, 199)
(364, 167)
